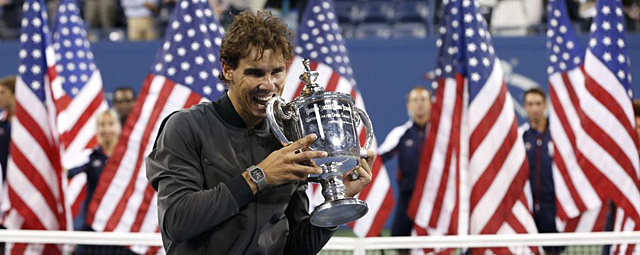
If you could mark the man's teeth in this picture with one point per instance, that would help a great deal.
(264, 98)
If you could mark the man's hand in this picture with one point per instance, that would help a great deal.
(284, 165)
(363, 170)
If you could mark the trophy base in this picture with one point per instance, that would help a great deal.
(338, 212)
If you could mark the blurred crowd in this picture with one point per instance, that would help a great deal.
(136, 20)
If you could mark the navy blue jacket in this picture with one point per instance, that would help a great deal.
(93, 168)
(540, 154)
(405, 141)
(5, 138)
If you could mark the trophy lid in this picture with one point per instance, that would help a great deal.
(309, 78)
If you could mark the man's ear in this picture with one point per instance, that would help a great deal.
(227, 71)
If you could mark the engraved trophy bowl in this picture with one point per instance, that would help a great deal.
(333, 117)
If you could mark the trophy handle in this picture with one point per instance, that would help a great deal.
(364, 117)
(277, 102)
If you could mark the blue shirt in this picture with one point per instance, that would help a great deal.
(405, 141)
(540, 154)
(93, 168)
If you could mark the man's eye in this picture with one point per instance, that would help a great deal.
(255, 73)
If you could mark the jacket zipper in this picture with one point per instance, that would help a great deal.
(255, 209)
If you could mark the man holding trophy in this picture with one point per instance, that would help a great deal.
(225, 182)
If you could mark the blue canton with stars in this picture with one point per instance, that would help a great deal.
(73, 53)
(189, 54)
(607, 41)
(34, 40)
(319, 38)
(565, 52)
(465, 45)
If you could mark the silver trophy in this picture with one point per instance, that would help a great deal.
(333, 117)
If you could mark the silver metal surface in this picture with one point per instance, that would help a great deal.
(333, 117)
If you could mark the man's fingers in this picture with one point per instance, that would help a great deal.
(302, 142)
(365, 166)
(301, 170)
(308, 155)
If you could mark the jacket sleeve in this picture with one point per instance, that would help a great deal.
(174, 169)
(304, 238)
(77, 170)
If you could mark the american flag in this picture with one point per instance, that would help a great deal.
(78, 95)
(579, 206)
(473, 175)
(185, 73)
(319, 39)
(610, 144)
(34, 174)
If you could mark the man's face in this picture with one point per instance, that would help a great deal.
(535, 105)
(123, 101)
(419, 104)
(254, 82)
(108, 128)
(6, 97)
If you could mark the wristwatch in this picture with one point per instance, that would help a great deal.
(257, 176)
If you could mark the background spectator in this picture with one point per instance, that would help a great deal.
(124, 98)
(52, 9)
(7, 102)
(100, 13)
(140, 22)
(10, 16)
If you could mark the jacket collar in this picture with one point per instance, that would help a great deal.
(225, 108)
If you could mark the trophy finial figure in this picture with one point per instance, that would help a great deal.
(309, 78)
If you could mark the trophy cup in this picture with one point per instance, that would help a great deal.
(333, 117)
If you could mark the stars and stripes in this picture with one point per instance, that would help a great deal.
(473, 175)
(35, 176)
(579, 206)
(185, 73)
(319, 40)
(78, 87)
(77, 92)
(610, 144)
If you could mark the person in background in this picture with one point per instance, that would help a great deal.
(124, 98)
(108, 131)
(100, 13)
(10, 18)
(7, 103)
(537, 139)
(140, 18)
(406, 141)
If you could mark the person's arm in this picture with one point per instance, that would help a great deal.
(186, 209)
(388, 149)
(76, 170)
(304, 238)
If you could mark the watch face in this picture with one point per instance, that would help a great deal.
(257, 174)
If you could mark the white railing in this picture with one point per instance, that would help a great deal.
(357, 245)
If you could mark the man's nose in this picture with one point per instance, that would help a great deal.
(268, 83)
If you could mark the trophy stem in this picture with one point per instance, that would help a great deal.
(337, 209)
(332, 185)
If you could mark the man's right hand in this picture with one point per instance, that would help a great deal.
(284, 165)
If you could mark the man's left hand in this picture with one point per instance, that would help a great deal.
(363, 170)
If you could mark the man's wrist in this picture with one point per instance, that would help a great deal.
(257, 176)
(252, 185)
